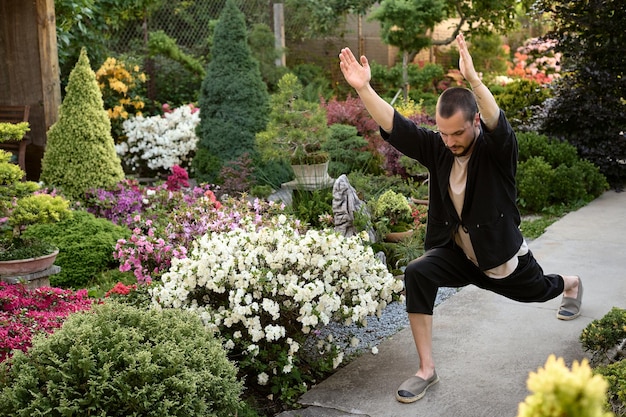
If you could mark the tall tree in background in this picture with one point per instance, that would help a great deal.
(407, 25)
(234, 102)
(589, 107)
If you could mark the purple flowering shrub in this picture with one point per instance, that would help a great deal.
(167, 218)
(25, 313)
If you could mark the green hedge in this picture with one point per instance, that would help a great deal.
(86, 244)
(117, 360)
(551, 173)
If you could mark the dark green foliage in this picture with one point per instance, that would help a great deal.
(308, 206)
(615, 375)
(488, 54)
(567, 184)
(594, 181)
(183, 91)
(272, 172)
(422, 79)
(604, 338)
(161, 44)
(80, 152)
(550, 172)
(234, 102)
(533, 178)
(177, 75)
(604, 334)
(370, 186)
(589, 109)
(347, 150)
(315, 80)
(117, 360)
(520, 100)
(86, 246)
(554, 152)
(262, 44)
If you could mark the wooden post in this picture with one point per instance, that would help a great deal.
(279, 33)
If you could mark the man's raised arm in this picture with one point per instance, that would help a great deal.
(358, 75)
(487, 106)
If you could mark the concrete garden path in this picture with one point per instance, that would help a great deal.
(485, 345)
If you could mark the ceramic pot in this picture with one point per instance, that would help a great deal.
(27, 266)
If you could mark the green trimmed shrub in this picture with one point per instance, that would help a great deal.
(520, 100)
(603, 338)
(615, 375)
(347, 150)
(604, 334)
(534, 177)
(572, 180)
(567, 184)
(234, 102)
(553, 152)
(86, 244)
(117, 360)
(80, 151)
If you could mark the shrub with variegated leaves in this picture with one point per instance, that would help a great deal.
(266, 290)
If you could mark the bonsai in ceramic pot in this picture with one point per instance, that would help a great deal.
(21, 205)
(297, 128)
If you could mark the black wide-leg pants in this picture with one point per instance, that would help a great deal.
(449, 267)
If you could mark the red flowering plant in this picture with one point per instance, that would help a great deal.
(178, 179)
(131, 294)
(25, 313)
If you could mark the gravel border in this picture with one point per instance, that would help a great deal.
(392, 320)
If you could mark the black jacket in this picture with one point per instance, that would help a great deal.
(490, 212)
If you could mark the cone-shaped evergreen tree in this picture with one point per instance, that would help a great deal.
(80, 152)
(234, 102)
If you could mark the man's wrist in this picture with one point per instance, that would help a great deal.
(476, 85)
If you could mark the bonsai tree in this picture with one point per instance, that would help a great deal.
(297, 129)
(233, 98)
(21, 206)
(391, 213)
(80, 152)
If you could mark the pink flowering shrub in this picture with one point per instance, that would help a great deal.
(25, 313)
(537, 61)
(151, 248)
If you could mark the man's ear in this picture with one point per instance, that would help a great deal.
(477, 120)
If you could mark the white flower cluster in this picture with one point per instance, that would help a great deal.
(274, 281)
(160, 142)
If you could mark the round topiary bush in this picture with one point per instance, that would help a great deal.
(86, 244)
(117, 360)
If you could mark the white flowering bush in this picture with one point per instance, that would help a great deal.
(160, 142)
(266, 291)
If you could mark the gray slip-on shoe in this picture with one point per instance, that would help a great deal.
(414, 388)
(570, 307)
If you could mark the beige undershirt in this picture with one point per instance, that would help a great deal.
(458, 181)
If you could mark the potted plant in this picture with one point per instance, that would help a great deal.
(296, 131)
(21, 206)
(392, 216)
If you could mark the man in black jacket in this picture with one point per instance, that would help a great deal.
(473, 234)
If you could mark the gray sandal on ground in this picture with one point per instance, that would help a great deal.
(414, 388)
(570, 307)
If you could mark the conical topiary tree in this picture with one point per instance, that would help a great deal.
(234, 102)
(80, 152)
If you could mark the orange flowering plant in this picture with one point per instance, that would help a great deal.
(121, 88)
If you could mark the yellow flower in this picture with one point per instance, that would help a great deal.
(559, 392)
